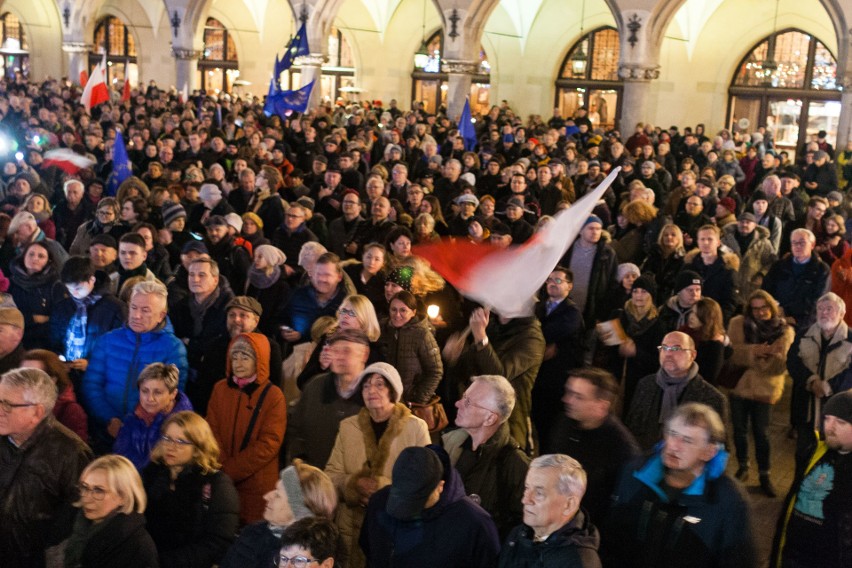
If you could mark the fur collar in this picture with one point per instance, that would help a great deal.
(839, 351)
(732, 261)
(378, 452)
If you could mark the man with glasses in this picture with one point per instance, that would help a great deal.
(290, 237)
(678, 507)
(678, 381)
(798, 280)
(491, 464)
(40, 463)
(342, 231)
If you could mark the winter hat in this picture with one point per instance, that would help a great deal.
(467, 198)
(209, 192)
(469, 178)
(172, 212)
(746, 216)
(254, 218)
(390, 374)
(759, 195)
(271, 254)
(194, 246)
(729, 204)
(840, 406)
(835, 196)
(687, 278)
(242, 345)
(627, 268)
(295, 496)
(401, 276)
(306, 202)
(12, 316)
(645, 282)
(20, 219)
(216, 221)
(246, 303)
(234, 221)
(104, 239)
(593, 219)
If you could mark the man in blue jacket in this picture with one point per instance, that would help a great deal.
(678, 508)
(109, 386)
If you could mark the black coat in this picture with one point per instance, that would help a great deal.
(214, 324)
(602, 281)
(122, 542)
(256, 547)
(194, 524)
(796, 292)
(574, 545)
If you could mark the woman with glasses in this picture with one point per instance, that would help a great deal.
(366, 448)
(192, 505)
(109, 531)
(760, 338)
(106, 222)
(355, 312)
(308, 542)
(159, 398)
(409, 344)
(302, 492)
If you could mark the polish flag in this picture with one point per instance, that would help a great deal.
(84, 78)
(67, 160)
(125, 92)
(96, 91)
(506, 280)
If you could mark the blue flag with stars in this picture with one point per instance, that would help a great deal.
(283, 101)
(121, 169)
(268, 106)
(466, 129)
(298, 47)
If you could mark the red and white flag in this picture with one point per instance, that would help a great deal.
(506, 280)
(84, 78)
(96, 91)
(67, 160)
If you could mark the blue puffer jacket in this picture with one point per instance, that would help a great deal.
(109, 386)
(136, 439)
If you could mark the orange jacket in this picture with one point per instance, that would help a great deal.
(254, 469)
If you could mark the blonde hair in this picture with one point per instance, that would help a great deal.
(317, 489)
(205, 448)
(365, 313)
(122, 479)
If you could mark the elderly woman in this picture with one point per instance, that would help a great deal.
(67, 410)
(424, 229)
(192, 506)
(356, 312)
(267, 284)
(248, 416)
(760, 339)
(302, 491)
(36, 289)
(366, 448)
(409, 345)
(159, 398)
(109, 531)
(105, 222)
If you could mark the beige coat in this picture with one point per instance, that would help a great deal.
(356, 455)
(763, 380)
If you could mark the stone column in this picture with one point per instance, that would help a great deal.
(311, 70)
(186, 64)
(78, 55)
(637, 85)
(459, 74)
(844, 123)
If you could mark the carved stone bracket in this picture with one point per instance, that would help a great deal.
(637, 72)
(312, 60)
(459, 66)
(76, 47)
(181, 53)
(845, 82)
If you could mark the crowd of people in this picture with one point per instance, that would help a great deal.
(232, 354)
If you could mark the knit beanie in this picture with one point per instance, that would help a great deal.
(401, 276)
(840, 406)
(293, 489)
(272, 255)
(243, 345)
(172, 212)
(390, 374)
(254, 219)
(646, 282)
(687, 278)
(626, 268)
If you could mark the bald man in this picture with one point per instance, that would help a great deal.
(678, 381)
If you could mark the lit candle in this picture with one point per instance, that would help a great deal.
(432, 311)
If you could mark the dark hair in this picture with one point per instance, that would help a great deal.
(315, 534)
(569, 275)
(406, 298)
(140, 206)
(606, 387)
(52, 366)
(133, 239)
(397, 232)
(330, 258)
(76, 269)
(145, 225)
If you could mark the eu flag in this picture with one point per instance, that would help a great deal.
(268, 105)
(298, 47)
(121, 169)
(466, 129)
(284, 101)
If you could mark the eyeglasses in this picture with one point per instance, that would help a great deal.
(556, 281)
(7, 406)
(347, 312)
(297, 561)
(468, 403)
(294, 216)
(672, 348)
(760, 308)
(175, 441)
(97, 493)
(675, 435)
(350, 202)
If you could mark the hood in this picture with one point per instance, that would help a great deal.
(453, 484)
(652, 473)
(261, 347)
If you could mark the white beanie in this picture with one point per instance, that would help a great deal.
(209, 192)
(273, 255)
(234, 221)
(387, 371)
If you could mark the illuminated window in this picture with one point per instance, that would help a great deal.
(13, 47)
(429, 82)
(338, 72)
(114, 39)
(218, 67)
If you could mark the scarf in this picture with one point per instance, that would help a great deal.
(125, 275)
(198, 309)
(77, 332)
(98, 228)
(81, 534)
(672, 390)
(261, 280)
(638, 323)
(756, 331)
(242, 382)
(145, 416)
